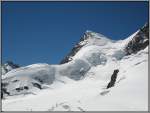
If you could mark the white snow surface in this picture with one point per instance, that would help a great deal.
(80, 85)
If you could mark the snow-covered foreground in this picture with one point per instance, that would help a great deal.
(90, 94)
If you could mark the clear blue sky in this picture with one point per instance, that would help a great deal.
(44, 32)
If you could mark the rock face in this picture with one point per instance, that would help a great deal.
(8, 66)
(139, 41)
(113, 79)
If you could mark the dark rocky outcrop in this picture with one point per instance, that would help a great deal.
(19, 89)
(139, 41)
(10, 63)
(4, 90)
(76, 48)
(26, 87)
(37, 85)
(8, 66)
(113, 79)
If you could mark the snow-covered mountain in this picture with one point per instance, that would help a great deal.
(98, 74)
(132, 44)
(8, 66)
(89, 38)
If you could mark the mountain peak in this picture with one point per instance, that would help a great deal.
(89, 38)
(94, 35)
(88, 31)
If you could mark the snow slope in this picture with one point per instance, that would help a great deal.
(80, 83)
(89, 94)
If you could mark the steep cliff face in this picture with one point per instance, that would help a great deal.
(139, 41)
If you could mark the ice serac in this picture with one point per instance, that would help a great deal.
(27, 79)
(89, 38)
(139, 41)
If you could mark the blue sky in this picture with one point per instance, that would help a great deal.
(44, 32)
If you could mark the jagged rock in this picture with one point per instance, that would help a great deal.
(113, 79)
(37, 85)
(75, 49)
(139, 41)
(4, 90)
(8, 66)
